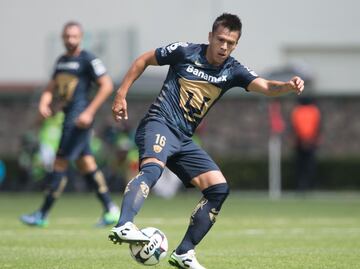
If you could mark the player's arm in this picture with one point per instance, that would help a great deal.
(105, 89)
(46, 99)
(119, 107)
(276, 88)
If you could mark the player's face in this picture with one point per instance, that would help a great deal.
(222, 42)
(72, 38)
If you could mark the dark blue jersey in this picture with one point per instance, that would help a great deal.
(73, 76)
(192, 85)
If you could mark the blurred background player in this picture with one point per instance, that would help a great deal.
(49, 138)
(305, 121)
(38, 149)
(69, 90)
(199, 74)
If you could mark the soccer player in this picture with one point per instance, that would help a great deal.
(199, 74)
(69, 90)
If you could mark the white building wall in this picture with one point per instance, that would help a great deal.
(274, 33)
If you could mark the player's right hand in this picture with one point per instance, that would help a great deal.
(45, 111)
(119, 109)
(297, 84)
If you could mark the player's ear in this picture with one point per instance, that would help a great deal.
(210, 36)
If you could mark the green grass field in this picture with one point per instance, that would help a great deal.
(319, 231)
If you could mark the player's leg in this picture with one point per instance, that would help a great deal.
(215, 190)
(197, 168)
(73, 141)
(137, 190)
(56, 184)
(95, 178)
(155, 142)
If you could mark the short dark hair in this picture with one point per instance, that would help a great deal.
(227, 20)
(72, 23)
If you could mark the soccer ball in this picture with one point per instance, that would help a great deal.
(152, 252)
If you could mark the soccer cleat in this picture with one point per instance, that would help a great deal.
(128, 233)
(34, 219)
(109, 218)
(187, 260)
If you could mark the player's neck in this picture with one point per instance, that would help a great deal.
(74, 53)
(210, 59)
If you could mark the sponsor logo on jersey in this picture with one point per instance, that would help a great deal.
(170, 48)
(68, 66)
(98, 66)
(174, 46)
(251, 71)
(192, 70)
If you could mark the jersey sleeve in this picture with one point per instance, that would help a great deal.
(54, 71)
(97, 68)
(171, 53)
(243, 76)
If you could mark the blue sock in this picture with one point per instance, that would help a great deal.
(97, 181)
(137, 190)
(55, 187)
(203, 216)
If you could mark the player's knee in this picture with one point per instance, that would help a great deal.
(149, 174)
(60, 164)
(86, 164)
(218, 192)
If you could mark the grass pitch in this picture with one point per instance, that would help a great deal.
(318, 231)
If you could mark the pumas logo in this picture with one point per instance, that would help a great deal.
(127, 189)
(203, 75)
(198, 207)
(144, 189)
(213, 214)
(157, 148)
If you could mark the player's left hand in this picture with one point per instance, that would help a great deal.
(84, 120)
(119, 108)
(297, 84)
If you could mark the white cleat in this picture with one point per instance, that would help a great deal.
(128, 233)
(187, 260)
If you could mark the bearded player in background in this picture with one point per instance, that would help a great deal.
(69, 90)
